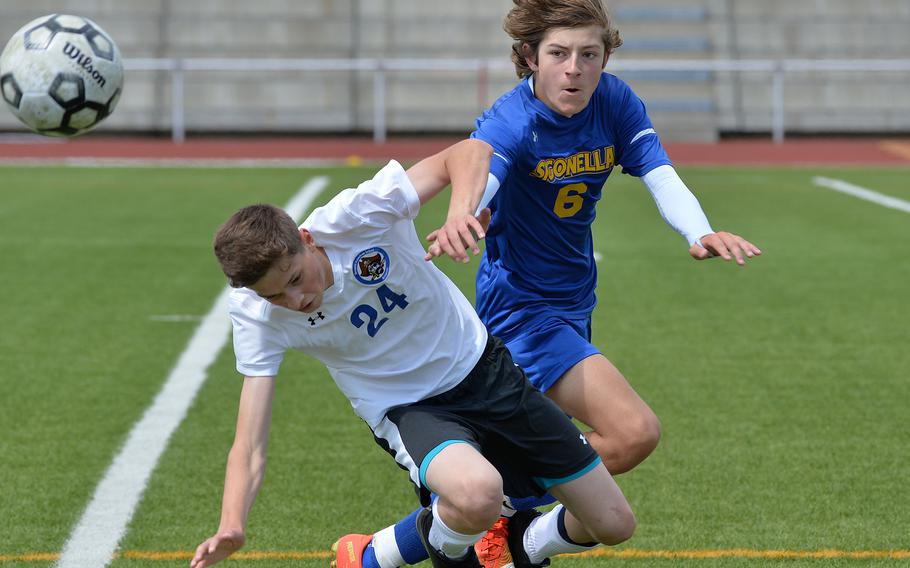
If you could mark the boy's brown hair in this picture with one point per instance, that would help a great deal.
(529, 20)
(252, 240)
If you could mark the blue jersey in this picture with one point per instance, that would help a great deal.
(539, 252)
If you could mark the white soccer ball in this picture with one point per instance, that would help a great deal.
(61, 75)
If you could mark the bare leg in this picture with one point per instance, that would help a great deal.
(596, 509)
(468, 486)
(625, 429)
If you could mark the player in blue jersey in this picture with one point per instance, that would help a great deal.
(553, 141)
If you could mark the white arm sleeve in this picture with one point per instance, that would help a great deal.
(488, 193)
(679, 208)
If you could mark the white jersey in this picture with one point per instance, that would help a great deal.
(392, 329)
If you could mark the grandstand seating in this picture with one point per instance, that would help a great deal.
(684, 104)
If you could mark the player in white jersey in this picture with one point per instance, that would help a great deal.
(350, 287)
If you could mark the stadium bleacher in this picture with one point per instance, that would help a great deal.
(685, 104)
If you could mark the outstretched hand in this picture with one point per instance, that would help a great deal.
(725, 245)
(457, 236)
(217, 548)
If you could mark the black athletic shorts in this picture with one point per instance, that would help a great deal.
(531, 442)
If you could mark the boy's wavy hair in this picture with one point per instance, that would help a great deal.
(529, 20)
(252, 240)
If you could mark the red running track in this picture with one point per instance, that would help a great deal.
(841, 151)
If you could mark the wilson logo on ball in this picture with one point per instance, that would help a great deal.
(85, 62)
(61, 75)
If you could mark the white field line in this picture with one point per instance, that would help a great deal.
(94, 540)
(175, 318)
(863, 193)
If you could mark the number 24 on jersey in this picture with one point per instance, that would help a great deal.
(367, 314)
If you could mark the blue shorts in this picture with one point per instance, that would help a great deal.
(548, 346)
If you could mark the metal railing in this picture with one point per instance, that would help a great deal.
(178, 68)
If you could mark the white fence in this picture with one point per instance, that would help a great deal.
(778, 70)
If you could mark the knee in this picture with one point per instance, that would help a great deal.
(637, 440)
(479, 498)
(615, 527)
(646, 435)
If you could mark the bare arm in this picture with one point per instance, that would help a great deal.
(245, 470)
(466, 166)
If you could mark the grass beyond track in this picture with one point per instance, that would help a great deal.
(782, 386)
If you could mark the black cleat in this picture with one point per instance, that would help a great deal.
(518, 524)
(440, 560)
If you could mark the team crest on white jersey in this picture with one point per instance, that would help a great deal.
(371, 266)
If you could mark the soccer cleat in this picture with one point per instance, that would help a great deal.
(493, 548)
(437, 558)
(349, 550)
(518, 524)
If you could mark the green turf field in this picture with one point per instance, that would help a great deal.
(782, 386)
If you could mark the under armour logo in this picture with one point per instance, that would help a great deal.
(318, 316)
(534, 135)
(583, 439)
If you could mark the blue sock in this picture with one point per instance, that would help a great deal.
(526, 503)
(369, 557)
(408, 540)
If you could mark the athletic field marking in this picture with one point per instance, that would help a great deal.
(748, 553)
(603, 552)
(863, 193)
(175, 318)
(94, 540)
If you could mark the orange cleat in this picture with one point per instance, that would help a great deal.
(349, 550)
(493, 548)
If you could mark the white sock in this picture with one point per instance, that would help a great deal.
(542, 539)
(452, 544)
(386, 548)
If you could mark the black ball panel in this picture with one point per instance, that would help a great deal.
(8, 85)
(41, 36)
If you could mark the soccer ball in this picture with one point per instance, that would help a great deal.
(61, 75)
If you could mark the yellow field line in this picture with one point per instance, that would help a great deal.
(599, 552)
(747, 553)
(31, 557)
